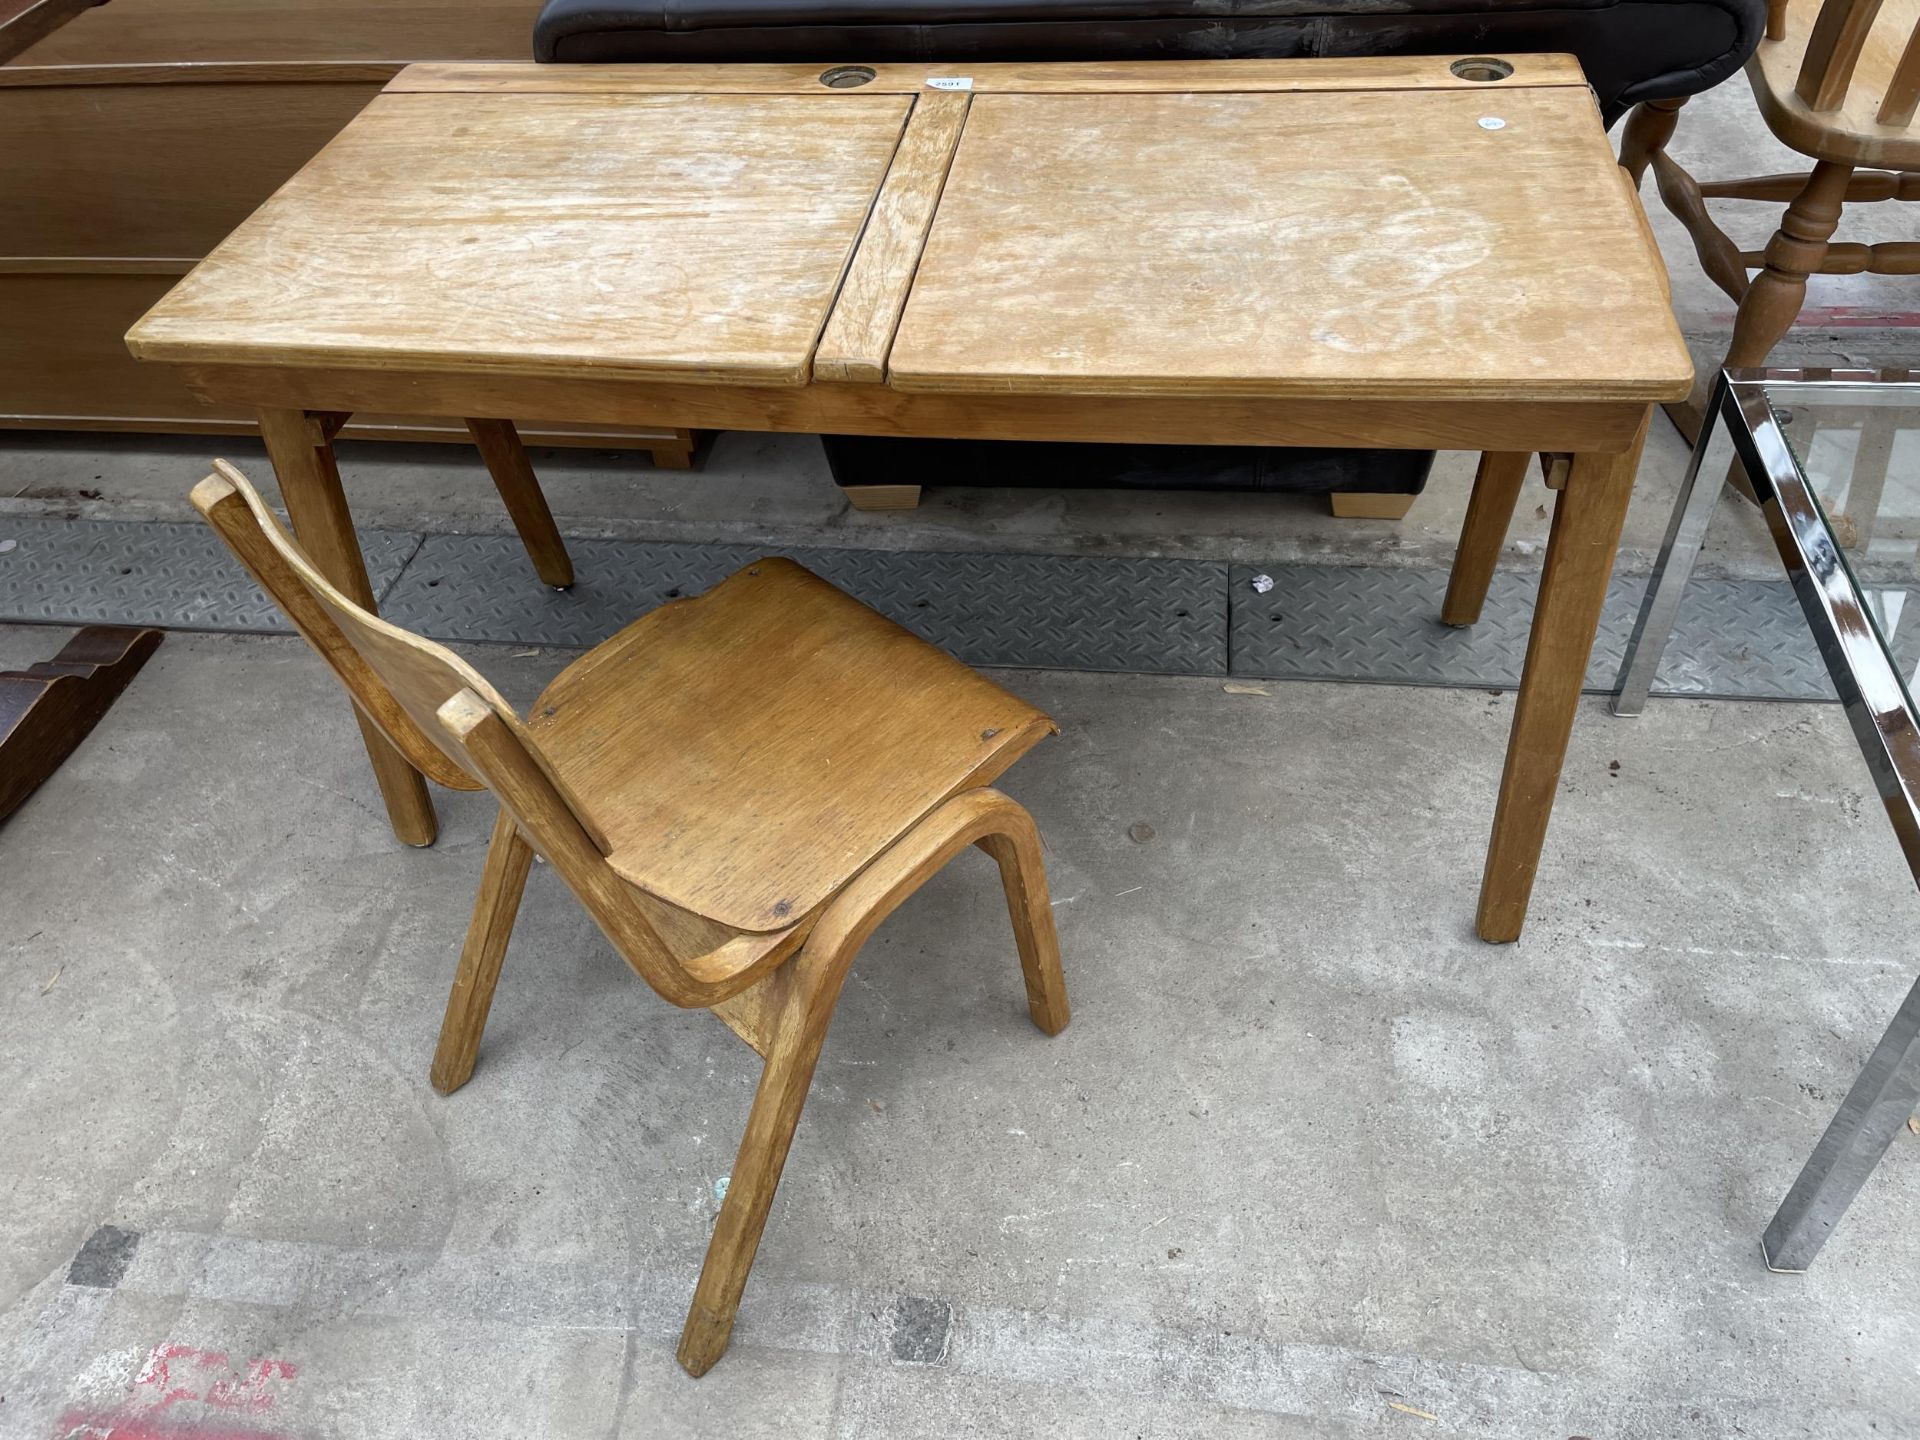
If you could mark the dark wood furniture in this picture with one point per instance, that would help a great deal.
(47, 709)
(136, 136)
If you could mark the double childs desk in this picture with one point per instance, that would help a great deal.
(1406, 253)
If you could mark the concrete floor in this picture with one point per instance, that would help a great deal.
(1310, 1162)
(1309, 1150)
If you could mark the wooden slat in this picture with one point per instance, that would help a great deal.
(1833, 49)
(1903, 91)
(1391, 245)
(1173, 76)
(854, 346)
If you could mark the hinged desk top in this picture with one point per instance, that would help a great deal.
(1365, 229)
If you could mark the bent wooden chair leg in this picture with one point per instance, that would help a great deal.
(508, 859)
(1023, 871)
(299, 446)
(499, 445)
(811, 985)
(806, 990)
(1587, 518)
(1496, 490)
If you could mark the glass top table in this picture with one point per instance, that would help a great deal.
(1832, 458)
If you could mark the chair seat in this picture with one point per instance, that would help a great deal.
(806, 731)
(1850, 133)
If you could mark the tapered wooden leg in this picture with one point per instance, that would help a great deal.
(1023, 871)
(1648, 129)
(1587, 518)
(302, 457)
(499, 445)
(811, 983)
(508, 859)
(882, 497)
(1772, 302)
(1496, 490)
(1363, 505)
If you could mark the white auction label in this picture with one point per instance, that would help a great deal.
(950, 82)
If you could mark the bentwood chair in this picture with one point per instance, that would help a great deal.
(738, 787)
(1838, 81)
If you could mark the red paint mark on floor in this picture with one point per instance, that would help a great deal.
(1841, 317)
(205, 1385)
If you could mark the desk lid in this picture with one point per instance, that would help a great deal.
(1367, 229)
(661, 236)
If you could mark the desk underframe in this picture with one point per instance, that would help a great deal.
(301, 409)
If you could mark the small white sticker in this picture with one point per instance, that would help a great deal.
(950, 82)
(1492, 122)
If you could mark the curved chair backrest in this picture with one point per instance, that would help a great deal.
(455, 728)
(1841, 34)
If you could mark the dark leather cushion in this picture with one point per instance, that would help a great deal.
(1632, 50)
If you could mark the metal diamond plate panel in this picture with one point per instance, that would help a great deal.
(130, 573)
(1741, 639)
(1735, 639)
(1037, 611)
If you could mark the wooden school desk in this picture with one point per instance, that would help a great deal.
(1393, 253)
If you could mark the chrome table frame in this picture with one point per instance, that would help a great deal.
(1884, 1095)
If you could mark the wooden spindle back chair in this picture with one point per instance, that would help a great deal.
(1838, 81)
(739, 788)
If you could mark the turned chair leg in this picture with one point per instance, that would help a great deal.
(1023, 872)
(1773, 300)
(1648, 129)
(501, 882)
(804, 992)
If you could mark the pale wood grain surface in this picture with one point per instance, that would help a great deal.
(1368, 244)
(770, 739)
(700, 237)
(1315, 237)
(860, 331)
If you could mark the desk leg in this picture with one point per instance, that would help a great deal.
(1496, 490)
(499, 445)
(302, 456)
(1587, 518)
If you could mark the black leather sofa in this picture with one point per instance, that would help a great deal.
(1632, 50)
